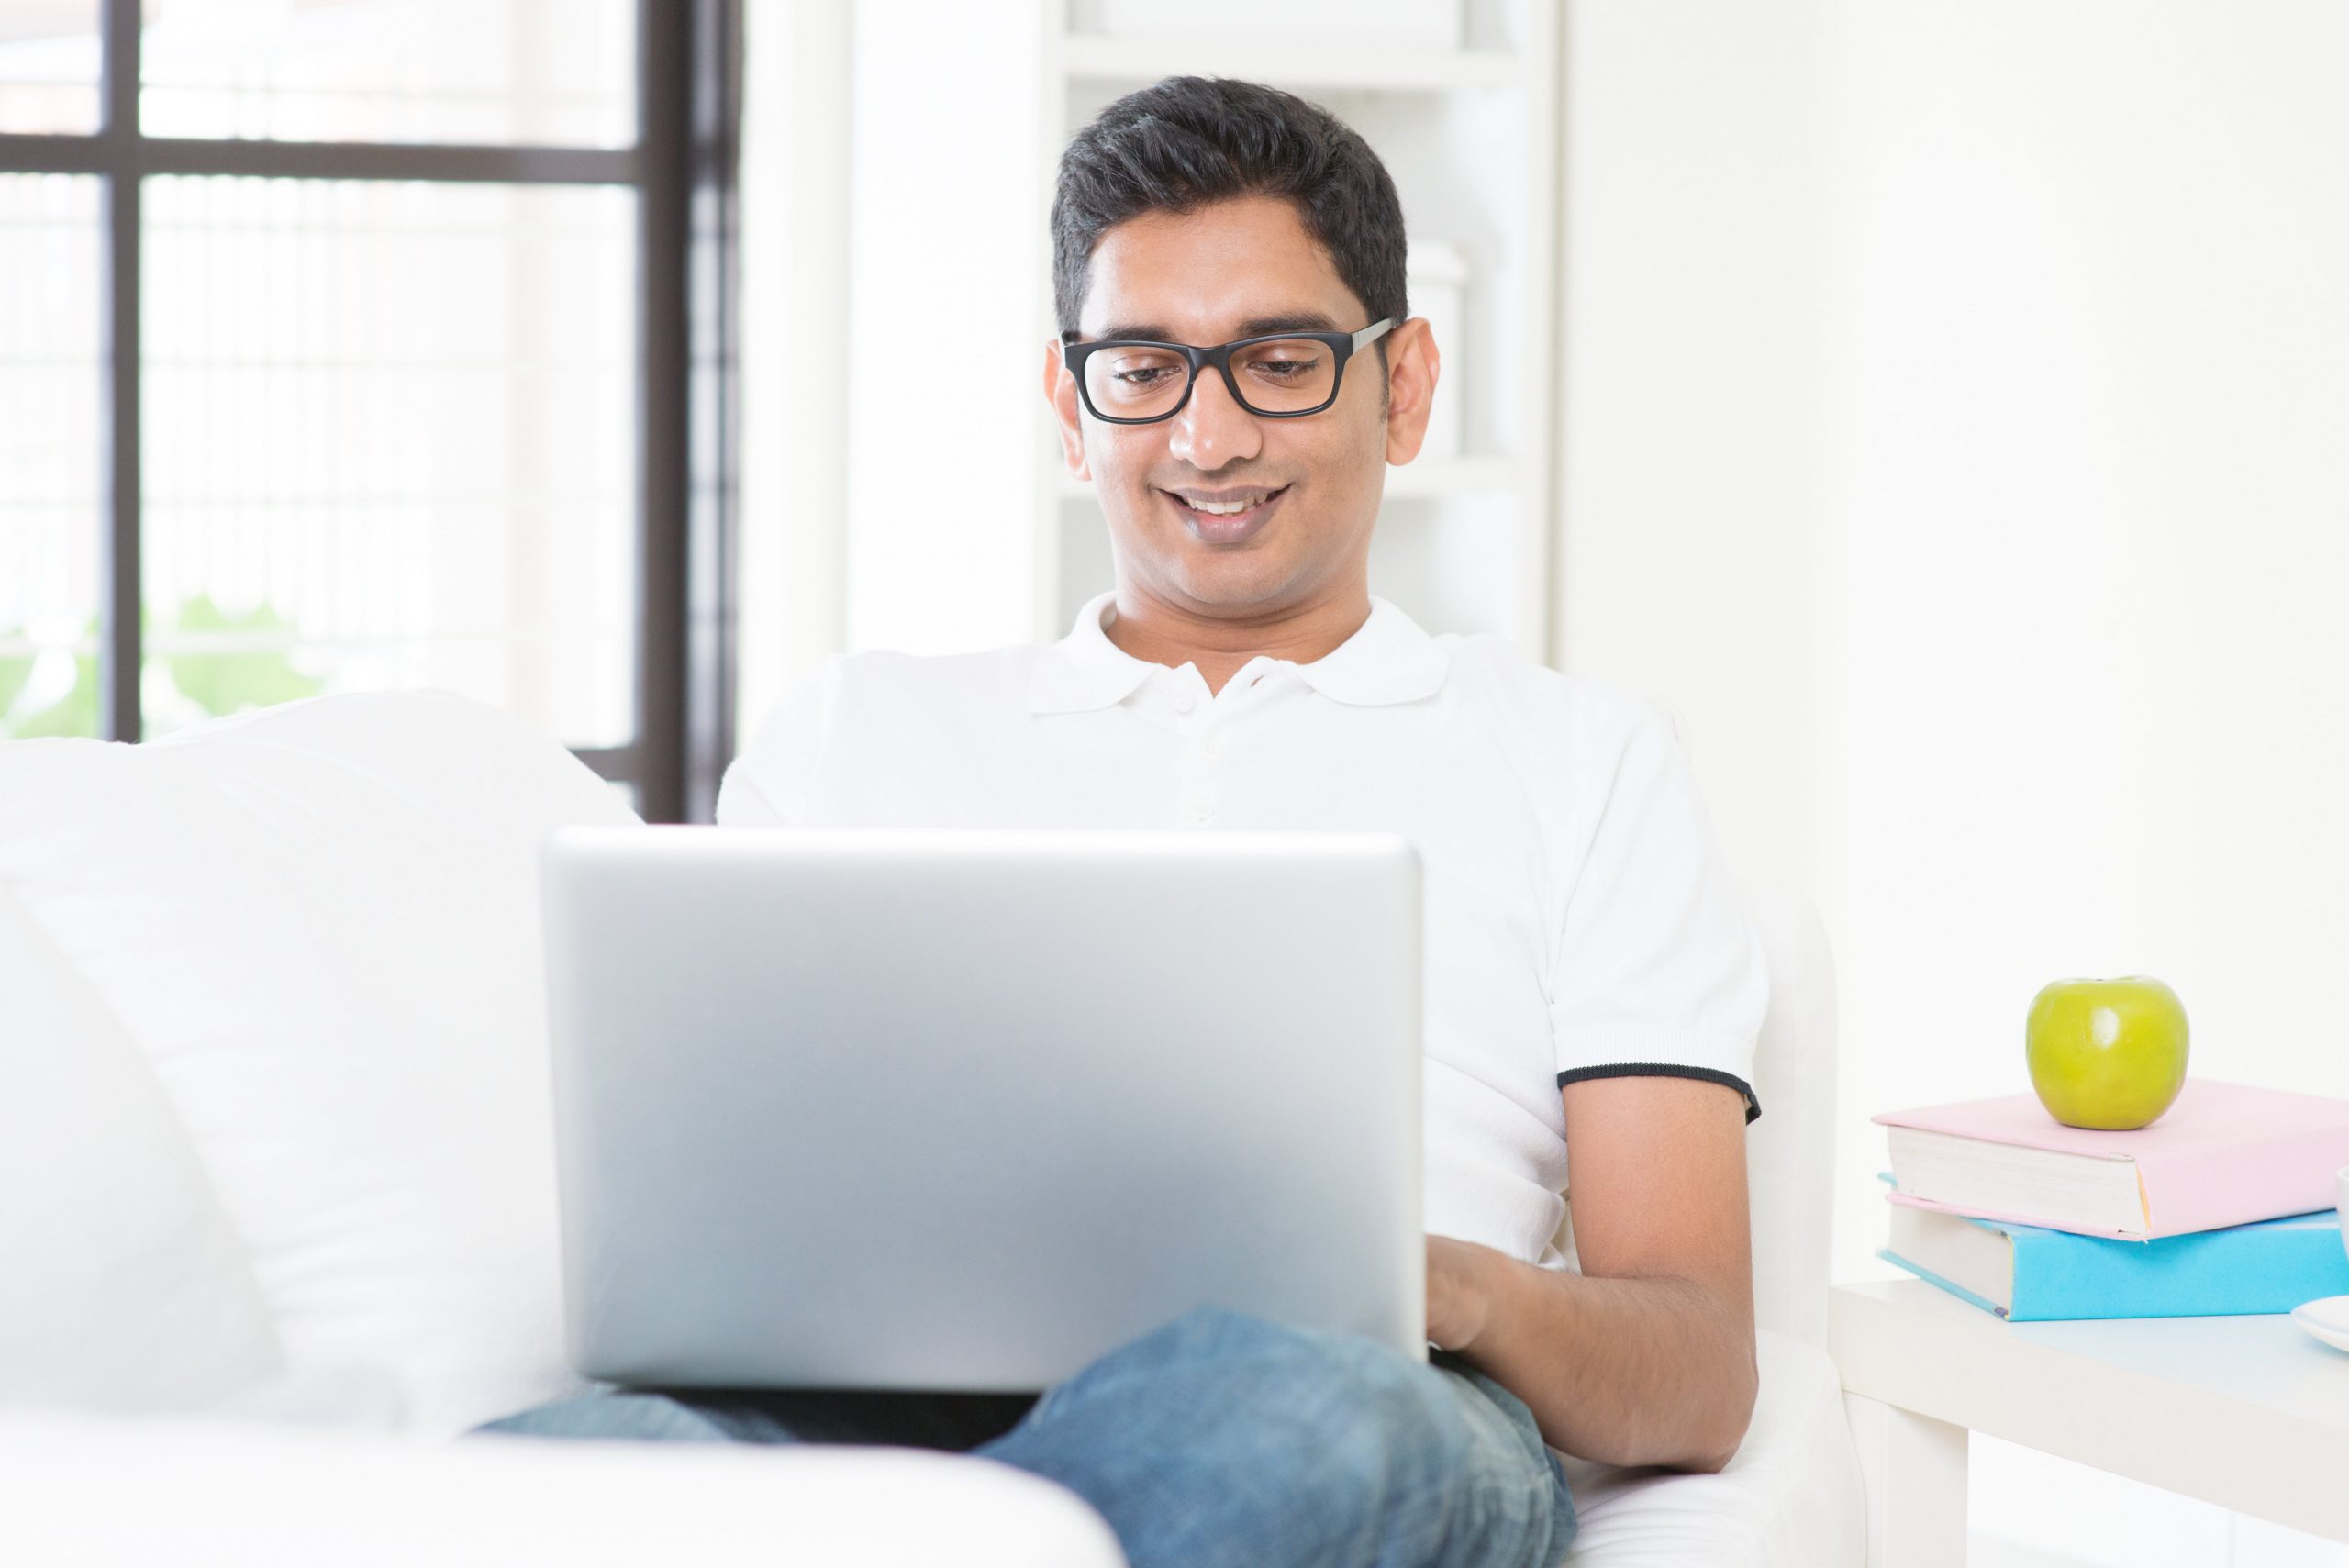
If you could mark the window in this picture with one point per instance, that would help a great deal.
(368, 344)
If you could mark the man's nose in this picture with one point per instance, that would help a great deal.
(1213, 429)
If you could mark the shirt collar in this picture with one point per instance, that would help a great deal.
(1387, 659)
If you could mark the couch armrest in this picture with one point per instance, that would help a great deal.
(104, 1491)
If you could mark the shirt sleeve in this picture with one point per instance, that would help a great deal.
(769, 785)
(1659, 970)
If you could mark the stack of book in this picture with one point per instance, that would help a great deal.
(2223, 1206)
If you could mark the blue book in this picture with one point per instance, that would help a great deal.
(2026, 1273)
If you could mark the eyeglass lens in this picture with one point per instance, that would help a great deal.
(1281, 375)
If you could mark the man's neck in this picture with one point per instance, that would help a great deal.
(1164, 635)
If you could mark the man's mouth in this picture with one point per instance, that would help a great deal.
(1225, 517)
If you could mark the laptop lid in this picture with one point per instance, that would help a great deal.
(966, 1108)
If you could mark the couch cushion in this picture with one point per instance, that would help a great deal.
(117, 1494)
(1791, 1498)
(1789, 1152)
(126, 1288)
(319, 923)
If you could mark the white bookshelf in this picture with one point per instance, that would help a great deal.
(1471, 137)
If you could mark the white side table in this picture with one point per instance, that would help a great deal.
(2248, 1412)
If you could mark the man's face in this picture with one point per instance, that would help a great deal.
(1238, 269)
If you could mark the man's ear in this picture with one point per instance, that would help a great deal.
(1060, 391)
(1412, 366)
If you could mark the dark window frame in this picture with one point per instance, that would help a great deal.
(684, 169)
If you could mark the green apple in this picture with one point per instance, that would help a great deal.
(2109, 1054)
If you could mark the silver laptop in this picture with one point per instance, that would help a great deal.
(966, 1108)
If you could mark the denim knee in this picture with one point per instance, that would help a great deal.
(1340, 1410)
(1401, 1447)
(626, 1416)
(1320, 1358)
(1226, 1332)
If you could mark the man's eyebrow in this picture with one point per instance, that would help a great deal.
(1304, 321)
(1254, 327)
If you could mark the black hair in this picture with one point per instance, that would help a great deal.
(1187, 141)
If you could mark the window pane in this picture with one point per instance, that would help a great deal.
(389, 442)
(452, 71)
(48, 66)
(52, 499)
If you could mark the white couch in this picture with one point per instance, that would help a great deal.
(277, 1213)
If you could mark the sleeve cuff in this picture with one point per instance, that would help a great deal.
(1667, 1069)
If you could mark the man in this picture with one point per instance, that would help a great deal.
(1236, 370)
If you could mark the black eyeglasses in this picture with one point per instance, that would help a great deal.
(1283, 375)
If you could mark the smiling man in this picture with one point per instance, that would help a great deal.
(1236, 369)
(1240, 501)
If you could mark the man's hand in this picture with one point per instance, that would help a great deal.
(1462, 1284)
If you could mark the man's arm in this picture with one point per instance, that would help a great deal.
(1647, 1356)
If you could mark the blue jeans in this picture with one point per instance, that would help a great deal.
(1220, 1438)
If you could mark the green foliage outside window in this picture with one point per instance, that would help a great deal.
(75, 713)
(219, 683)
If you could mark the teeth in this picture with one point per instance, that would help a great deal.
(1220, 509)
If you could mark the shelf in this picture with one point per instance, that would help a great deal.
(1091, 56)
(1428, 476)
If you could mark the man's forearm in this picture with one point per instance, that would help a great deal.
(1620, 1371)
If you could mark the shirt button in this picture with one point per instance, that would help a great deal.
(1184, 701)
(1213, 749)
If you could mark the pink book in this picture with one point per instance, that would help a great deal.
(2222, 1154)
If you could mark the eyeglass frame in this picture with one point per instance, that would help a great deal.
(1342, 344)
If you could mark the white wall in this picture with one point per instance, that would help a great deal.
(891, 207)
(947, 243)
(792, 573)
(1689, 487)
(1956, 434)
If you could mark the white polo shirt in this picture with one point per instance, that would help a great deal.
(1578, 923)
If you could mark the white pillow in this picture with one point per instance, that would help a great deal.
(124, 1286)
(320, 924)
